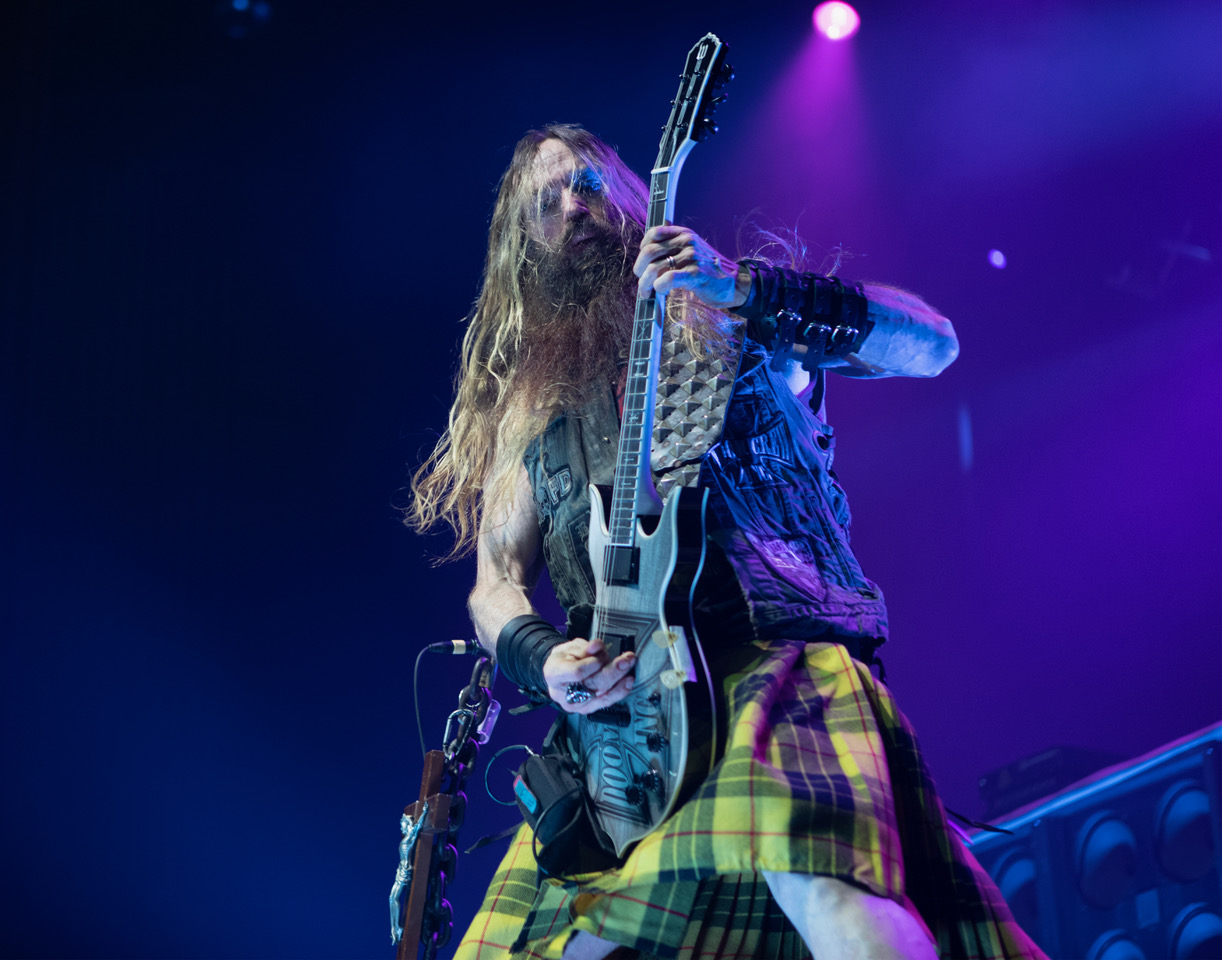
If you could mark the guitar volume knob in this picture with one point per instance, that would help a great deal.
(672, 679)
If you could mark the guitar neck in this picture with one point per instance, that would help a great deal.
(634, 494)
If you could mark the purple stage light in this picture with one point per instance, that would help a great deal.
(997, 259)
(836, 20)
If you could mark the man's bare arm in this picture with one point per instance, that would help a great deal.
(909, 339)
(508, 564)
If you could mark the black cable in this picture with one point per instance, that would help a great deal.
(416, 696)
(488, 768)
(445, 646)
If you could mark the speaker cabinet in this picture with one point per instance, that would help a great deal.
(1126, 865)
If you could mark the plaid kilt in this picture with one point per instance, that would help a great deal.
(821, 774)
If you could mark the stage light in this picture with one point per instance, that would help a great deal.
(966, 456)
(243, 18)
(836, 20)
(997, 259)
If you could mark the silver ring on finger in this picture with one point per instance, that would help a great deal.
(577, 693)
(671, 262)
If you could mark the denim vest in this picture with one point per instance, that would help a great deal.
(776, 511)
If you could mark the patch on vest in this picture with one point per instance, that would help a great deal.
(559, 485)
(691, 410)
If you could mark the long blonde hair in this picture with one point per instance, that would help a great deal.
(477, 458)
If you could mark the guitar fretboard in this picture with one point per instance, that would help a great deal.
(633, 493)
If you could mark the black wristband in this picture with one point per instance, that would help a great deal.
(823, 314)
(521, 649)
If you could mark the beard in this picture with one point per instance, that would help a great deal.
(579, 304)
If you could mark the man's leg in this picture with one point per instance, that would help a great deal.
(838, 921)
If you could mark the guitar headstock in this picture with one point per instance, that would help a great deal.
(691, 116)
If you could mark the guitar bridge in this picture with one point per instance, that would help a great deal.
(618, 643)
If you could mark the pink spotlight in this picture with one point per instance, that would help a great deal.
(836, 20)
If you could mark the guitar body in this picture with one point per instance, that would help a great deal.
(635, 755)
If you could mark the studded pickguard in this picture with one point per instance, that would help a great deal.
(691, 409)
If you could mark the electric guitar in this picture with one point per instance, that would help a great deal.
(647, 555)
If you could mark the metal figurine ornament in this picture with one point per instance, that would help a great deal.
(403, 876)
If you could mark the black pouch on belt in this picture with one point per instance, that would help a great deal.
(553, 801)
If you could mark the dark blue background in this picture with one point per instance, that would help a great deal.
(236, 256)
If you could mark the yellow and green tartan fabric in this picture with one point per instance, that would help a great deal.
(821, 774)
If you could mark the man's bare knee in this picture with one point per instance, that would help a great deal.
(839, 921)
(808, 889)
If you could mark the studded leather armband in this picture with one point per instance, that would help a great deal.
(521, 649)
(786, 307)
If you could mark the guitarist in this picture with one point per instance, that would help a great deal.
(819, 831)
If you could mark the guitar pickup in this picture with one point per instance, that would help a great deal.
(616, 715)
(622, 565)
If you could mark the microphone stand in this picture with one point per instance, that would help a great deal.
(428, 853)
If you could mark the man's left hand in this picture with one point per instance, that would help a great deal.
(675, 258)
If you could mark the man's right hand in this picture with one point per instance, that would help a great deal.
(588, 663)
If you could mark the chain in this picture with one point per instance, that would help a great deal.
(467, 727)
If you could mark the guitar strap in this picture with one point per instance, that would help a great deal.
(693, 395)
